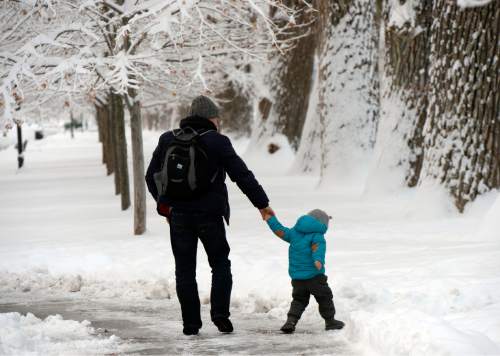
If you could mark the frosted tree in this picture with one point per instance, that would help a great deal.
(462, 131)
(342, 133)
(283, 106)
(404, 47)
(20, 22)
(177, 47)
(438, 104)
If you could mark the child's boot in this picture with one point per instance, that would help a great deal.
(333, 324)
(289, 326)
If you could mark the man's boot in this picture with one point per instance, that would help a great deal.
(289, 326)
(224, 325)
(188, 330)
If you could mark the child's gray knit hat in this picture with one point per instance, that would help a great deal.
(320, 215)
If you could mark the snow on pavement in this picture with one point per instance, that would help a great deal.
(28, 335)
(409, 274)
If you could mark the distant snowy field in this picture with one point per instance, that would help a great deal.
(410, 276)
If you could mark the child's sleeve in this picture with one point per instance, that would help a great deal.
(278, 229)
(319, 253)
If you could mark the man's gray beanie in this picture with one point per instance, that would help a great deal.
(320, 215)
(204, 107)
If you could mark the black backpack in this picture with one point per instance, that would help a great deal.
(186, 172)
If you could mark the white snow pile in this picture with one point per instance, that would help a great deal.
(407, 332)
(491, 223)
(402, 14)
(27, 335)
(259, 147)
(472, 3)
(410, 276)
(40, 281)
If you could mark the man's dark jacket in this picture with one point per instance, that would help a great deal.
(221, 153)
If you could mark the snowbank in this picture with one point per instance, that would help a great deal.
(472, 3)
(408, 273)
(402, 14)
(257, 149)
(411, 332)
(28, 335)
(387, 169)
(490, 226)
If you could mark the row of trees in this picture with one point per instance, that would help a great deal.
(119, 54)
(405, 87)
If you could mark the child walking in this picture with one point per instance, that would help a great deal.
(306, 267)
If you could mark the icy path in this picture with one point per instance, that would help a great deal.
(409, 275)
(153, 329)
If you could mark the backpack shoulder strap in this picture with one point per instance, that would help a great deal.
(187, 129)
(205, 132)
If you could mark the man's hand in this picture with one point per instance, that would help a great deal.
(266, 213)
(318, 265)
(164, 210)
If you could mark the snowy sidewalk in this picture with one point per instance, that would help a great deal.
(409, 274)
(147, 328)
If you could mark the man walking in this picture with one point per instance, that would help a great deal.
(199, 214)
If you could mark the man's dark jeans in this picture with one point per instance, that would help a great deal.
(185, 229)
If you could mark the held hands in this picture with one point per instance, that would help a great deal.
(266, 213)
(318, 265)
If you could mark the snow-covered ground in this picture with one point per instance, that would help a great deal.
(410, 275)
(53, 335)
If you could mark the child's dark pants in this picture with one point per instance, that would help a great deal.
(302, 290)
(185, 229)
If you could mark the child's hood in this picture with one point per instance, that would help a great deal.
(307, 225)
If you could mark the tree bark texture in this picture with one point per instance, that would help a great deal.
(114, 142)
(121, 145)
(282, 101)
(462, 132)
(346, 73)
(138, 165)
(292, 80)
(407, 49)
(310, 151)
(236, 110)
(100, 127)
(108, 139)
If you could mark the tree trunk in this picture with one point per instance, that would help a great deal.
(408, 48)
(98, 122)
(114, 142)
(292, 82)
(108, 139)
(403, 66)
(138, 164)
(346, 73)
(20, 146)
(72, 124)
(121, 145)
(104, 132)
(310, 151)
(236, 110)
(101, 126)
(462, 135)
(282, 107)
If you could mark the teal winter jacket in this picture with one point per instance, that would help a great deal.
(306, 232)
